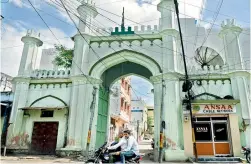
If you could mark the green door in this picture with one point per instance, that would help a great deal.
(102, 117)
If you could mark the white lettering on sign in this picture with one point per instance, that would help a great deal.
(213, 108)
(201, 129)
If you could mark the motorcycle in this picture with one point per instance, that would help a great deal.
(246, 152)
(102, 155)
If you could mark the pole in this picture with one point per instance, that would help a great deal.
(161, 123)
(92, 109)
(138, 130)
(187, 82)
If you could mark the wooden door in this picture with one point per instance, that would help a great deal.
(102, 117)
(44, 138)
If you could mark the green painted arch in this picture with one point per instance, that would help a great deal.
(125, 50)
(124, 69)
(46, 97)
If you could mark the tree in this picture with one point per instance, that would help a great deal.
(64, 56)
(149, 124)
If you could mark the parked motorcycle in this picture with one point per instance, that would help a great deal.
(246, 152)
(102, 156)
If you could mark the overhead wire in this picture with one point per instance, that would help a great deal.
(212, 11)
(80, 32)
(43, 20)
(135, 33)
(214, 19)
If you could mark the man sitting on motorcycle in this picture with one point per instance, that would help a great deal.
(117, 146)
(131, 146)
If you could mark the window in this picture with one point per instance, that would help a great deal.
(203, 118)
(47, 113)
(202, 132)
(220, 132)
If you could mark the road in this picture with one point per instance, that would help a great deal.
(144, 146)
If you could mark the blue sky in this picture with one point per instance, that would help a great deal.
(19, 16)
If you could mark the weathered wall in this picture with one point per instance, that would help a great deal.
(59, 116)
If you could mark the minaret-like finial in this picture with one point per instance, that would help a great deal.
(123, 20)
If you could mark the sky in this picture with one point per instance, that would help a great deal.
(20, 16)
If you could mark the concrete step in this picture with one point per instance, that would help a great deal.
(219, 159)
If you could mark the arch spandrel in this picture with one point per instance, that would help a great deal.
(116, 58)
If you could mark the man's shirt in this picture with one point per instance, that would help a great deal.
(122, 143)
(132, 145)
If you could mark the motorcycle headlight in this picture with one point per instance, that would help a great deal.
(106, 157)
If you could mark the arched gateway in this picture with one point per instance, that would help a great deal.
(152, 53)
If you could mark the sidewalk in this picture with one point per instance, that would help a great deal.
(39, 158)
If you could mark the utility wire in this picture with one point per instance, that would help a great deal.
(215, 17)
(203, 8)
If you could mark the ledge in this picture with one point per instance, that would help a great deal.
(216, 101)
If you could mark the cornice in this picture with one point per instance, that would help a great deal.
(175, 76)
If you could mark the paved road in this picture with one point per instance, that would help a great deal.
(144, 146)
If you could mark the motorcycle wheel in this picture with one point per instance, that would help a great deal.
(248, 157)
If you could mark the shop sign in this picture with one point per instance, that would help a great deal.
(213, 108)
(201, 129)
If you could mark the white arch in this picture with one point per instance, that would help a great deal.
(122, 56)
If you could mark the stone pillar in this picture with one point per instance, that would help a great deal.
(172, 109)
(169, 50)
(79, 112)
(71, 140)
(169, 35)
(167, 10)
(240, 91)
(157, 84)
(230, 34)
(87, 13)
(16, 119)
(81, 50)
(171, 115)
(29, 56)
(21, 83)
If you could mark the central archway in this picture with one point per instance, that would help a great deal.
(111, 68)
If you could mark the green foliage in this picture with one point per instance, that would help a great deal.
(64, 57)
(149, 124)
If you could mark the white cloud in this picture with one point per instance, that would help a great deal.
(142, 89)
(22, 4)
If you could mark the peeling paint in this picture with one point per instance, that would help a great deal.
(20, 140)
(70, 142)
(171, 143)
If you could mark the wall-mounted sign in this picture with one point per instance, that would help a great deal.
(213, 108)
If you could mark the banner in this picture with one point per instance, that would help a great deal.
(213, 108)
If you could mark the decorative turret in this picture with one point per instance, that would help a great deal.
(167, 10)
(123, 29)
(230, 34)
(29, 60)
(87, 13)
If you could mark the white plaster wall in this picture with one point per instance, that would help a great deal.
(1, 128)
(39, 91)
(59, 116)
(153, 51)
(219, 88)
